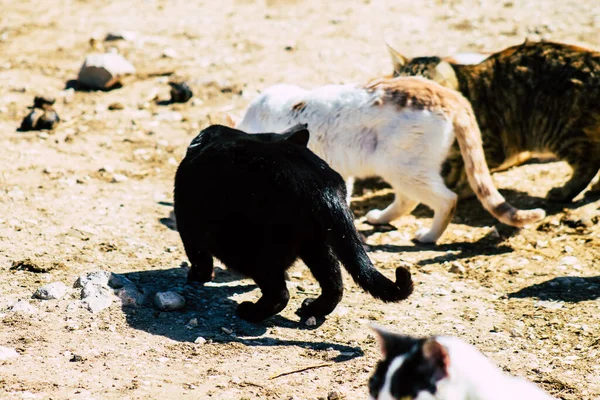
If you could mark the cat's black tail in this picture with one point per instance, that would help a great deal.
(348, 248)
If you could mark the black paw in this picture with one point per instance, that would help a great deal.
(315, 308)
(201, 276)
(248, 311)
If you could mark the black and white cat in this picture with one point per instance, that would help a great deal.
(257, 203)
(442, 368)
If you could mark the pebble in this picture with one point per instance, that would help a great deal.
(334, 395)
(180, 92)
(7, 353)
(100, 278)
(96, 298)
(169, 301)
(169, 53)
(120, 35)
(23, 306)
(457, 268)
(51, 291)
(39, 119)
(193, 322)
(311, 321)
(104, 70)
(568, 260)
(116, 106)
(118, 178)
(200, 340)
(41, 101)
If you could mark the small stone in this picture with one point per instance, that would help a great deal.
(568, 249)
(457, 268)
(193, 322)
(568, 260)
(169, 301)
(42, 102)
(180, 92)
(311, 321)
(76, 358)
(23, 306)
(35, 265)
(118, 178)
(226, 330)
(334, 395)
(104, 70)
(100, 278)
(169, 53)
(107, 168)
(51, 291)
(120, 35)
(7, 353)
(200, 340)
(116, 106)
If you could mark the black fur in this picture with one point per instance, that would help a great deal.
(420, 371)
(257, 203)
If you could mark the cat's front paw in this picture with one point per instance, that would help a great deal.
(425, 236)
(199, 275)
(374, 217)
(248, 311)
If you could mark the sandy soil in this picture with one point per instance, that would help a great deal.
(528, 299)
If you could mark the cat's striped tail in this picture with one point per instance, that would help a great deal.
(469, 140)
(348, 248)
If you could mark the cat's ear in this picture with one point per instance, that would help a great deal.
(445, 75)
(297, 134)
(437, 356)
(398, 60)
(393, 344)
(384, 338)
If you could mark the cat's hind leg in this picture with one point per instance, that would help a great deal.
(326, 269)
(584, 159)
(275, 296)
(431, 191)
(399, 207)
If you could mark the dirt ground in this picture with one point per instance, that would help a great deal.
(528, 299)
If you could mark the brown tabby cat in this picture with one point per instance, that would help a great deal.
(530, 99)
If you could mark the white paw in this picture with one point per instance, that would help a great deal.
(374, 217)
(424, 235)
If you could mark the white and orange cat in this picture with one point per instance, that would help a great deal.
(399, 129)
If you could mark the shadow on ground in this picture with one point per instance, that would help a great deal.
(572, 289)
(212, 306)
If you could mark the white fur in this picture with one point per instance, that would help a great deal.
(471, 377)
(360, 138)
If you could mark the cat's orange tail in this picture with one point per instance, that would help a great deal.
(469, 140)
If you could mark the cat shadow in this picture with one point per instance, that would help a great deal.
(571, 289)
(487, 245)
(210, 313)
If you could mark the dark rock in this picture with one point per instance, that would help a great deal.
(180, 92)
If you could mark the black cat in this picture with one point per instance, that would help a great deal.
(258, 202)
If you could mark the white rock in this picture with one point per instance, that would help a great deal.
(23, 306)
(169, 53)
(568, 260)
(7, 353)
(169, 301)
(104, 70)
(100, 278)
(200, 340)
(312, 321)
(457, 268)
(117, 178)
(51, 291)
